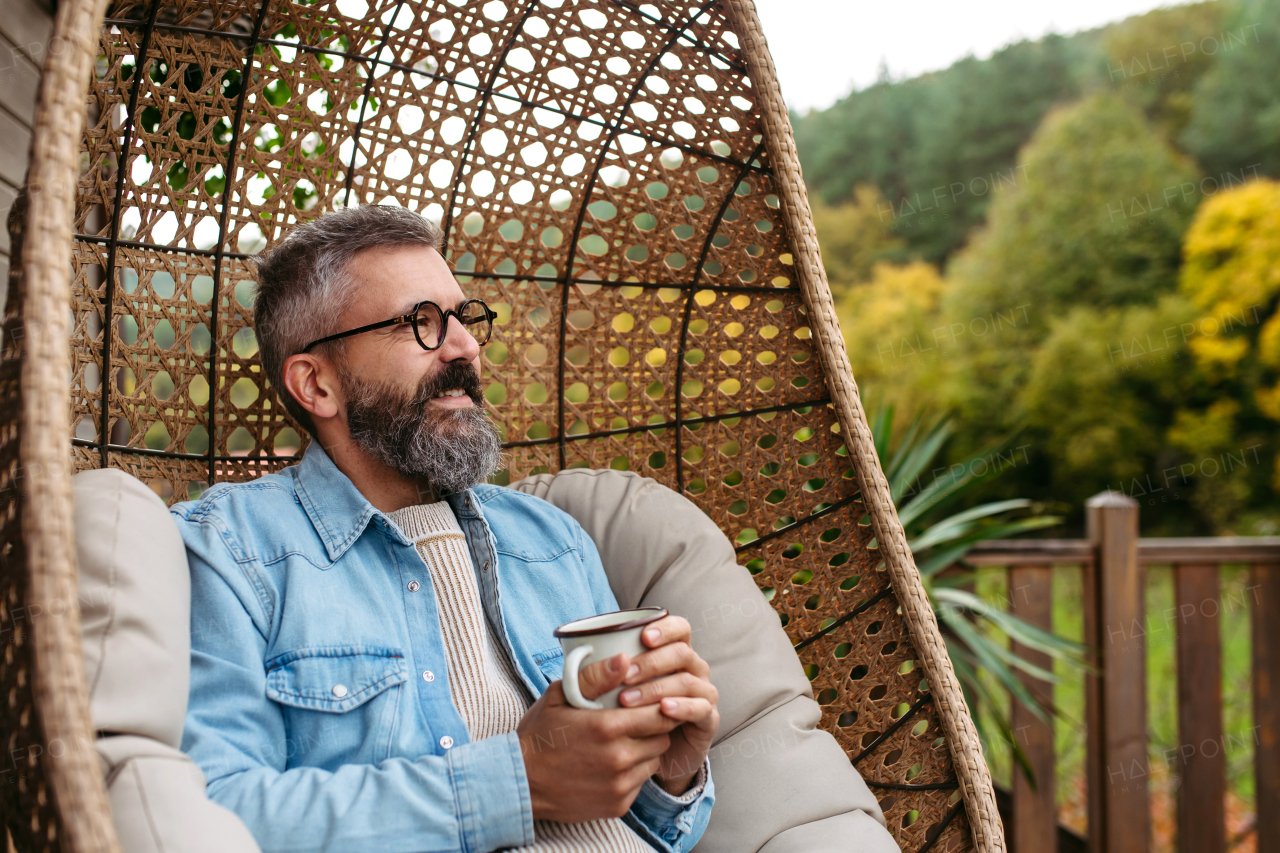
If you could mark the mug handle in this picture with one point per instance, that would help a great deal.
(572, 664)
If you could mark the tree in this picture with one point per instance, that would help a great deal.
(1099, 224)
(977, 116)
(889, 329)
(1070, 271)
(936, 145)
(853, 237)
(1232, 275)
(1156, 59)
(1235, 117)
(1100, 394)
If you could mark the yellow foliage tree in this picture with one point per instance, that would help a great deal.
(854, 236)
(895, 337)
(1231, 272)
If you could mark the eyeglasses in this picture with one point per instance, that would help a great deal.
(430, 324)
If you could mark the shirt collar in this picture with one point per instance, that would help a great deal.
(337, 509)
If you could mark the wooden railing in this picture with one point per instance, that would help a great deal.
(1113, 560)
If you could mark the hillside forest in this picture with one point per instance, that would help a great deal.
(1072, 247)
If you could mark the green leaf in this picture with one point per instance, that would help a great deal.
(904, 447)
(277, 93)
(985, 654)
(939, 560)
(957, 525)
(150, 119)
(881, 430)
(214, 185)
(1019, 629)
(177, 176)
(919, 458)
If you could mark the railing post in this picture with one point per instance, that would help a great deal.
(1202, 761)
(1035, 812)
(1115, 700)
(1266, 703)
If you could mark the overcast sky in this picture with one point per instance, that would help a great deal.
(825, 48)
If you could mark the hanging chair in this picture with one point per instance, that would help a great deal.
(619, 181)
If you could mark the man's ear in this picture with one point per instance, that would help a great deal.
(313, 382)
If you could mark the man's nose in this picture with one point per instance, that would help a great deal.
(458, 343)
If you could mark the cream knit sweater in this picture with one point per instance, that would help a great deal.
(482, 681)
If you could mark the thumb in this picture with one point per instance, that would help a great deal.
(602, 676)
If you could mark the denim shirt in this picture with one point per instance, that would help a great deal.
(320, 709)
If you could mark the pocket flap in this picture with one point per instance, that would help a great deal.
(551, 662)
(334, 679)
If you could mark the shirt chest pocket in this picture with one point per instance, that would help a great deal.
(551, 663)
(340, 703)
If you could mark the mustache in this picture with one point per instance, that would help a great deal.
(457, 374)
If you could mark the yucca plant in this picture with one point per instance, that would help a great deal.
(939, 538)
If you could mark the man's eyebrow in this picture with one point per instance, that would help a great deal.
(409, 306)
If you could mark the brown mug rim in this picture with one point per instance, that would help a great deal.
(654, 616)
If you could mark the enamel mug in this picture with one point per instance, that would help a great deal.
(598, 638)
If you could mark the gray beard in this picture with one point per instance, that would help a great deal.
(451, 449)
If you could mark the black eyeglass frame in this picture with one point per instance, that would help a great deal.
(489, 314)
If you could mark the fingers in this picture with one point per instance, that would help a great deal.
(637, 723)
(675, 685)
(669, 629)
(697, 712)
(638, 775)
(602, 676)
(673, 657)
(650, 748)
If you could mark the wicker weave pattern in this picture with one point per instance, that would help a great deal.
(618, 181)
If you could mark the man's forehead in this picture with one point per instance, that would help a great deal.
(397, 278)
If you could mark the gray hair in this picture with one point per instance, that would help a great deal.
(305, 283)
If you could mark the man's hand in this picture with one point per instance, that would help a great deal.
(678, 682)
(584, 765)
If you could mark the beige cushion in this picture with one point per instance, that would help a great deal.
(158, 801)
(781, 783)
(135, 606)
(135, 612)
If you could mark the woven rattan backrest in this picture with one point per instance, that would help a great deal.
(618, 181)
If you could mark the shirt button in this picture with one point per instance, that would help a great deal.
(413, 586)
(446, 742)
(426, 676)
(339, 690)
(486, 566)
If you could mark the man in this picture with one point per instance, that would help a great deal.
(373, 666)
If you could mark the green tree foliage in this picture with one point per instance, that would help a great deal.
(1065, 299)
(1235, 119)
(1100, 392)
(1156, 59)
(937, 144)
(1099, 224)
